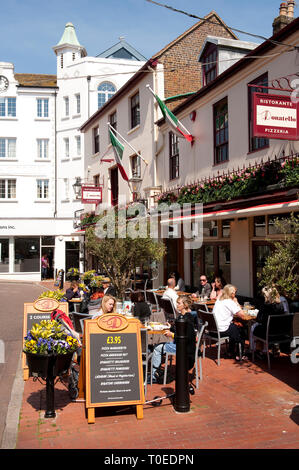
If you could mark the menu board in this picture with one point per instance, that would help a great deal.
(113, 370)
(35, 312)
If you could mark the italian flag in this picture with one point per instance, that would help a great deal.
(118, 149)
(172, 120)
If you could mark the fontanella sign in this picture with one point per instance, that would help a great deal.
(275, 117)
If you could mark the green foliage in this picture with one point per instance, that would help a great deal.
(282, 266)
(241, 183)
(119, 256)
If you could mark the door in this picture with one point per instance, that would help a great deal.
(114, 186)
(71, 255)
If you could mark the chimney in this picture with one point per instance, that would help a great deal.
(286, 15)
(291, 6)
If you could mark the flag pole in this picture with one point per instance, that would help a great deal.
(153, 93)
(134, 150)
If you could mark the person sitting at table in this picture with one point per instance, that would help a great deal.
(272, 306)
(141, 308)
(225, 309)
(205, 287)
(170, 292)
(179, 282)
(73, 292)
(217, 288)
(95, 300)
(108, 306)
(107, 287)
(183, 307)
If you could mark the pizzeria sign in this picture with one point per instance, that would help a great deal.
(275, 117)
(91, 195)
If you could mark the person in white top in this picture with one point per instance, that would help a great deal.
(225, 309)
(170, 293)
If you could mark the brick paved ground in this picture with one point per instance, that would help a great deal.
(238, 406)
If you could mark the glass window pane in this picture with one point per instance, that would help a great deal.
(4, 255)
(210, 228)
(226, 228)
(27, 255)
(224, 262)
(260, 226)
(209, 269)
(48, 241)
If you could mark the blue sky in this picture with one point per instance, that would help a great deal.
(30, 28)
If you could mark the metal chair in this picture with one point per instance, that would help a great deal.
(212, 332)
(152, 300)
(197, 358)
(198, 353)
(278, 331)
(168, 307)
(76, 317)
(146, 357)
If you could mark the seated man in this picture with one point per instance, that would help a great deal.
(107, 287)
(170, 293)
(205, 288)
(183, 306)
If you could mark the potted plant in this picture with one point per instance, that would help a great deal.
(54, 294)
(73, 274)
(88, 276)
(49, 349)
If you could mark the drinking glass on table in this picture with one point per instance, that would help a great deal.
(246, 306)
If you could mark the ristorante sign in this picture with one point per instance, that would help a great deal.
(275, 117)
(91, 195)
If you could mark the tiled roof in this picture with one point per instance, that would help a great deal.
(36, 80)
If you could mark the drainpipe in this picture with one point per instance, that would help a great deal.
(88, 99)
(55, 153)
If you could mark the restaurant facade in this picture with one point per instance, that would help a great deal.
(245, 182)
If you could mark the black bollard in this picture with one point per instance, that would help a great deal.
(61, 278)
(182, 399)
(50, 410)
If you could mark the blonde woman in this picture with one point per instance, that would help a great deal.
(108, 306)
(272, 306)
(183, 307)
(225, 310)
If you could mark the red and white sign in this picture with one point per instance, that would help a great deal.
(275, 117)
(91, 195)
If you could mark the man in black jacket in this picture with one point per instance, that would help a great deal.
(108, 288)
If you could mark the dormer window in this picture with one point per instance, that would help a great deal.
(209, 64)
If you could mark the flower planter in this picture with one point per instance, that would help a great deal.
(62, 363)
(44, 365)
(39, 364)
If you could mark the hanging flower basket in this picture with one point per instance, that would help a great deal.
(62, 363)
(39, 364)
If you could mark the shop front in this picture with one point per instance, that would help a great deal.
(23, 243)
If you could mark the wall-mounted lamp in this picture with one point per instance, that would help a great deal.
(77, 186)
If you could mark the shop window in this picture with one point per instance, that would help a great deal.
(272, 229)
(27, 255)
(260, 226)
(226, 228)
(4, 255)
(210, 228)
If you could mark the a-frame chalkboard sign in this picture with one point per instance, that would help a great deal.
(113, 363)
(35, 312)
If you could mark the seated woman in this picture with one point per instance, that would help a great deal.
(179, 282)
(73, 292)
(108, 306)
(217, 288)
(225, 309)
(272, 306)
(141, 308)
(183, 307)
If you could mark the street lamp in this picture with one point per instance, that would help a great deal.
(77, 186)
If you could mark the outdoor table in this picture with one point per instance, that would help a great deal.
(210, 303)
(247, 321)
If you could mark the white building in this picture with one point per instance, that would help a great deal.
(41, 152)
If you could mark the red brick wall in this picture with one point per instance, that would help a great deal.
(182, 71)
